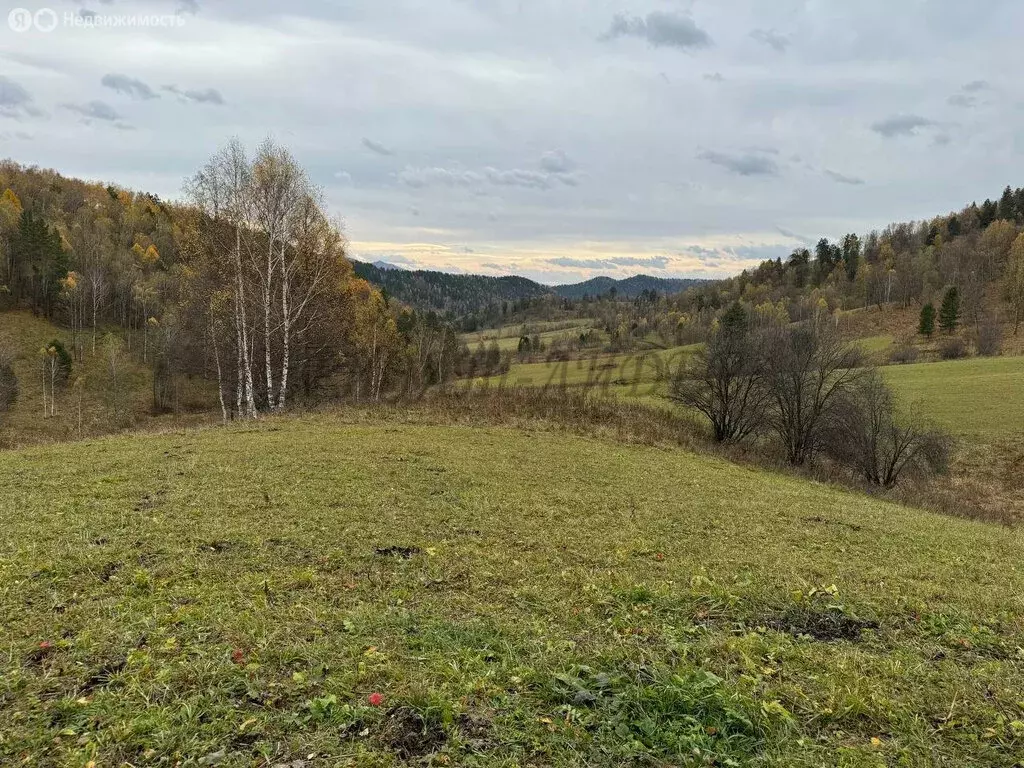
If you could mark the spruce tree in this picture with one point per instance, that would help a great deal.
(927, 324)
(949, 313)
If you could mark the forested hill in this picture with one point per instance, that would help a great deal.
(629, 288)
(443, 292)
(466, 294)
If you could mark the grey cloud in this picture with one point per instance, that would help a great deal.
(843, 178)
(379, 149)
(651, 262)
(901, 125)
(962, 100)
(85, 13)
(199, 96)
(794, 236)
(556, 161)
(660, 29)
(15, 101)
(419, 178)
(714, 77)
(129, 86)
(748, 164)
(524, 178)
(772, 39)
(975, 85)
(94, 110)
(187, 6)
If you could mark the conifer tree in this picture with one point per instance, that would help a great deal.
(949, 313)
(927, 325)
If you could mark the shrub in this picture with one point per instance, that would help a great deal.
(866, 433)
(63, 363)
(905, 354)
(805, 369)
(8, 381)
(952, 349)
(990, 337)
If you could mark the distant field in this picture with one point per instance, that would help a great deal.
(508, 336)
(978, 396)
(233, 597)
(640, 373)
(876, 346)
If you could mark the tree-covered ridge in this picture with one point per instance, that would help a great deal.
(448, 293)
(628, 288)
(460, 295)
(975, 255)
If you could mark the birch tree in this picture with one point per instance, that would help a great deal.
(278, 187)
(222, 190)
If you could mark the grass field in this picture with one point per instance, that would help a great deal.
(642, 372)
(234, 597)
(508, 336)
(975, 397)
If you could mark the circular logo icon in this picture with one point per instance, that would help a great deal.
(20, 20)
(46, 20)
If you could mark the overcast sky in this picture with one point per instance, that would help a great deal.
(559, 139)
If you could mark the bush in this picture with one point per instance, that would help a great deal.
(866, 433)
(63, 369)
(952, 349)
(990, 338)
(806, 368)
(905, 354)
(8, 381)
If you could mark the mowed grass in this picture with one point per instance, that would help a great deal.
(975, 397)
(233, 597)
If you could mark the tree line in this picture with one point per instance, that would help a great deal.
(245, 283)
(798, 388)
(978, 251)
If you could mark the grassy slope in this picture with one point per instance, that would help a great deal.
(642, 367)
(979, 396)
(26, 423)
(508, 336)
(572, 602)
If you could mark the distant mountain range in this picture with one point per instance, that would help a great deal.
(464, 294)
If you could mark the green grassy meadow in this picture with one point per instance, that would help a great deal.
(981, 396)
(235, 596)
(508, 336)
(642, 372)
(975, 397)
